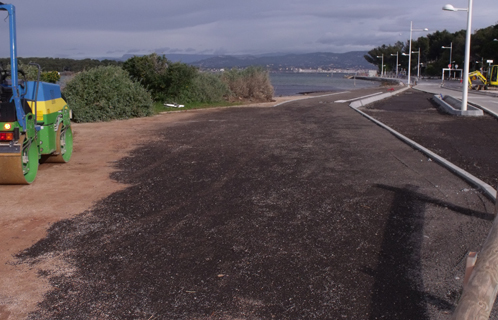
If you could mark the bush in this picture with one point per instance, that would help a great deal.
(252, 83)
(178, 82)
(106, 93)
(165, 80)
(52, 76)
(31, 73)
(150, 71)
(206, 88)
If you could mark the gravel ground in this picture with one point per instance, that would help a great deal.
(304, 211)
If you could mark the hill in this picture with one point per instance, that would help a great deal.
(276, 62)
(323, 60)
(176, 57)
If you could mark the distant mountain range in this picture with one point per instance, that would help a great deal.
(323, 60)
(282, 62)
(176, 57)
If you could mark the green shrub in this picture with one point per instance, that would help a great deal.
(106, 93)
(252, 83)
(31, 73)
(164, 79)
(178, 82)
(150, 71)
(52, 76)
(206, 88)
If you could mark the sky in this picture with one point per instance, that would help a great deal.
(113, 28)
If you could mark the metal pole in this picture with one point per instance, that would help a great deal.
(382, 65)
(451, 60)
(410, 51)
(465, 93)
(397, 54)
(451, 51)
(397, 65)
(418, 65)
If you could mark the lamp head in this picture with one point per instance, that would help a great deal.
(449, 7)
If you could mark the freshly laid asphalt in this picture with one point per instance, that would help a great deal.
(303, 211)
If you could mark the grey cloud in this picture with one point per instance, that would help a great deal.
(96, 28)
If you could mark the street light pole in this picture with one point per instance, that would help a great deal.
(418, 63)
(397, 52)
(465, 92)
(406, 54)
(451, 63)
(382, 66)
(451, 49)
(410, 50)
(410, 56)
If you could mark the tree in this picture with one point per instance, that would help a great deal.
(435, 58)
(164, 79)
(389, 61)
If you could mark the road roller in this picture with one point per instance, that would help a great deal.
(35, 123)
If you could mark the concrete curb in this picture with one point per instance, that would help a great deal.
(490, 112)
(392, 81)
(310, 97)
(488, 191)
(364, 102)
(448, 106)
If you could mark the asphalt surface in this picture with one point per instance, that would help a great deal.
(468, 142)
(303, 211)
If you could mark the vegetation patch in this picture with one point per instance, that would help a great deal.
(252, 84)
(437, 51)
(106, 93)
(143, 85)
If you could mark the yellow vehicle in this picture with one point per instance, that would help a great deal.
(484, 82)
(493, 76)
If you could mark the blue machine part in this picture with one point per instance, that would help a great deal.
(46, 91)
(16, 94)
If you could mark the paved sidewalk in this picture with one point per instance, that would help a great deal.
(487, 100)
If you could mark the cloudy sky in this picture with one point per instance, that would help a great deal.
(112, 28)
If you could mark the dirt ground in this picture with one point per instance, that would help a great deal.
(62, 191)
(304, 211)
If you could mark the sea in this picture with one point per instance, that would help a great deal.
(289, 84)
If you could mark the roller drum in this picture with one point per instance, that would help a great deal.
(19, 167)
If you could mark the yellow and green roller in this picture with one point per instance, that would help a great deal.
(34, 121)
